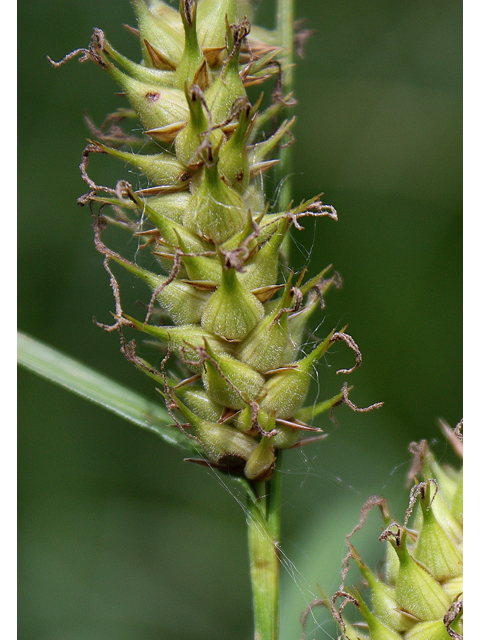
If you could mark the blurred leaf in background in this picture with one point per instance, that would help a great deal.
(118, 538)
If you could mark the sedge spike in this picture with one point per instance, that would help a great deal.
(223, 306)
(418, 594)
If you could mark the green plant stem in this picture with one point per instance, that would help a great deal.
(286, 35)
(264, 511)
(263, 542)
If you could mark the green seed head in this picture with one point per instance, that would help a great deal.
(220, 440)
(223, 308)
(229, 381)
(228, 87)
(264, 348)
(189, 140)
(286, 390)
(262, 269)
(384, 604)
(162, 44)
(434, 548)
(260, 464)
(422, 598)
(183, 303)
(233, 164)
(232, 311)
(378, 630)
(416, 590)
(157, 105)
(211, 18)
(216, 211)
(190, 66)
(429, 631)
(157, 167)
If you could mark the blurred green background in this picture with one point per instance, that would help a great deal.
(118, 538)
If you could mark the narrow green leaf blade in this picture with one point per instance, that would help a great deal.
(98, 388)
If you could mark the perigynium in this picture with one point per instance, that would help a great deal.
(225, 307)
